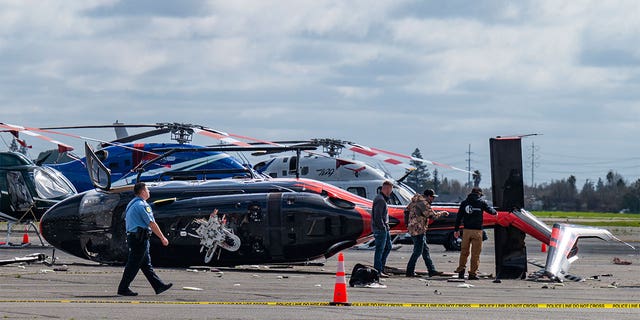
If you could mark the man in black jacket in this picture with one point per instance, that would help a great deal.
(380, 228)
(471, 214)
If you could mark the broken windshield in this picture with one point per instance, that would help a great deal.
(51, 184)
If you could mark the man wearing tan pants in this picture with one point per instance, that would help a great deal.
(471, 215)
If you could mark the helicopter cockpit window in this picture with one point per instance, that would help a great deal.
(398, 196)
(403, 194)
(12, 159)
(293, 165)
(50, 184)
(361, 191)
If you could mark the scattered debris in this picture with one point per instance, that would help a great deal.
(437, 292)
(236, 284)
(192, 289)
(192, 270)
(427, 282)
(318, 285)
(63, 267)
(34, 257)
(46, 270)
(617, 260)
(375, 285)
(465, 285)
(255, 275)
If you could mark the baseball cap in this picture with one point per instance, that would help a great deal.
(429, 193)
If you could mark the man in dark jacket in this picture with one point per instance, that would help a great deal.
(380, 228)
(471, 214)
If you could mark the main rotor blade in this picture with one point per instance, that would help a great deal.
(378, 154)
(103, 126)
(142, 135)
(62, 147)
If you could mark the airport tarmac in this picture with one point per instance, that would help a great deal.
(87, 290)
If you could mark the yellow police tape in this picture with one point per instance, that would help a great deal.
(358, 304)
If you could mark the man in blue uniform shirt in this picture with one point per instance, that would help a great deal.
(140, 223)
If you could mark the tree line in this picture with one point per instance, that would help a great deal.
(611, 194)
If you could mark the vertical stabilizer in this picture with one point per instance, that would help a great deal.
(121, 131)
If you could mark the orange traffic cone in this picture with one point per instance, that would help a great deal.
(25, 237)
(543, 248)
(340, 289)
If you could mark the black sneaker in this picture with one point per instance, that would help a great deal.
(412, 275)
(127, 293)
(435, 273)
(164, 288)
(460, 274)
(473, 277)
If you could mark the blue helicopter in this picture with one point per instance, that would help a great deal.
(123, 157)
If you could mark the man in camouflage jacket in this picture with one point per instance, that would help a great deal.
(419, 213)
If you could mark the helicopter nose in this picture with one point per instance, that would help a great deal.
(60, 225)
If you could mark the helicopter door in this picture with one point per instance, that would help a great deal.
(274, 207)
(98, 173)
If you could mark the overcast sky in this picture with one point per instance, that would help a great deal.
(436, 75)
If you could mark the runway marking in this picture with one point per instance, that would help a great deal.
(354, 304)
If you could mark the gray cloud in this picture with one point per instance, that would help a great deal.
(391, 74)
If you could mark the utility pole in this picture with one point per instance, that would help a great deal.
(533, 163)
(469, 166)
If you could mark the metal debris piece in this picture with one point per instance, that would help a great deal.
(63, 267)
(192, 289)
(617, 260)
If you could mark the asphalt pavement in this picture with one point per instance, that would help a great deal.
(79, 289)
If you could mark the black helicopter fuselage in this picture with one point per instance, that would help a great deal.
(277, 221)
